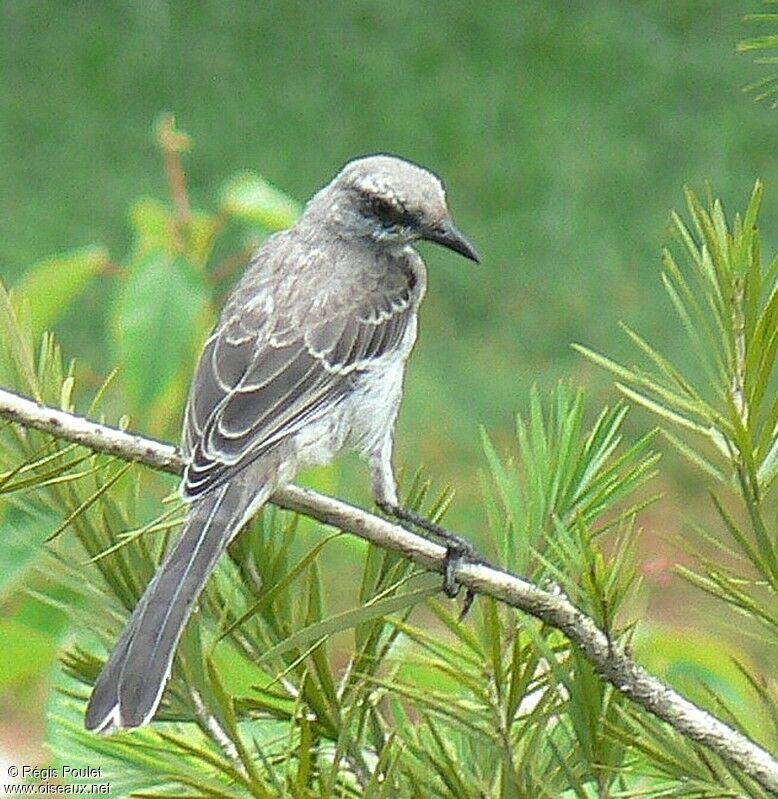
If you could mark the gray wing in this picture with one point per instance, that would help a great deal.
(263, 376)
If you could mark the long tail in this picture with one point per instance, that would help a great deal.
(131, 684)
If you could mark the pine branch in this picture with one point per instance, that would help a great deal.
(611, 659)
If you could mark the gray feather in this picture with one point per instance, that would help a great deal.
(307, 357)
(251, 395)
(130, 686)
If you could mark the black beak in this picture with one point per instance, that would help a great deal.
(449, 236)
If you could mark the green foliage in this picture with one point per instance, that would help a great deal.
(563, 491)
(166, 298)
(767, 87)
(158, 304)
(252, 199)
(316, 669)
(25, 651)
(578, 143)
(725, 421)
(276, 693)
(50, 286)
(700, 664)
(559, 167)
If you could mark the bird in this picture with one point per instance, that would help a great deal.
(307, 358)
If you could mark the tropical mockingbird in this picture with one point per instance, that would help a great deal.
(307, 358)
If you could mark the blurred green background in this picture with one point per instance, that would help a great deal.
(564, 130)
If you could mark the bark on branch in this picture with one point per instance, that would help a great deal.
(611, 660)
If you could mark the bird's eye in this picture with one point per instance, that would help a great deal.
(382, 208)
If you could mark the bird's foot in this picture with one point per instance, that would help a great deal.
(457, 548)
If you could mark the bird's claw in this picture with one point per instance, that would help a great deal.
(450, 563)
(457, 549)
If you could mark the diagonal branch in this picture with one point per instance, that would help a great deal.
(611, 660)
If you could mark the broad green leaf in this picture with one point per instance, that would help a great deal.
(153, 324)
(50, 286)
(158, 229)
(151, 221)
(250, 198)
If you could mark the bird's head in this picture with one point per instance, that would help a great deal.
(392, 202)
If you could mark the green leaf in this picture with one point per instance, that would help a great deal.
(152, 224)
(50, 286)
(250, 198)
(156, 227)
(279, 586)
(201, 231)
(758, 42)
(153, 323)
(351, 618)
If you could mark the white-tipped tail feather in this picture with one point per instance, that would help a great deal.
(130, 686)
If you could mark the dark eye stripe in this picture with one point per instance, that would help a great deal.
(389, 213)
(383, 209)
